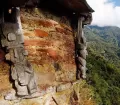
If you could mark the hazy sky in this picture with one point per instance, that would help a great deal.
(107, 12)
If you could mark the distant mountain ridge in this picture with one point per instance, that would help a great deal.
(104, 41)
(110, 34)
(103, 63)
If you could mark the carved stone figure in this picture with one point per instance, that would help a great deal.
(81, 51)
(21, 70)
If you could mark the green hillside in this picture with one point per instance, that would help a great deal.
(103, 63)
(104, 41)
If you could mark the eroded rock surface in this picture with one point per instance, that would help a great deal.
(50, 44)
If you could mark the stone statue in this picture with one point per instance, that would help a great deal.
(81, 51)
(21, 70)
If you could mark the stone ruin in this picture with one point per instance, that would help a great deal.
(72, 13)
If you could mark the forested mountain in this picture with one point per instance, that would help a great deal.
(105, 42)
(103, 63)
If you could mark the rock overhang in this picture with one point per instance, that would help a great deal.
(61, 6)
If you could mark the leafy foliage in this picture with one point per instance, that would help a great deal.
(103, 63)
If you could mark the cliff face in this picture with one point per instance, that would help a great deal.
(50, 44)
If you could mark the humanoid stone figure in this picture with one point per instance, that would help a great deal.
(81, 51)
(21, 70)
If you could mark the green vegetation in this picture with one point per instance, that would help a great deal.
(103, 63)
